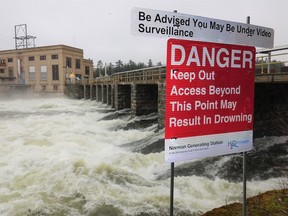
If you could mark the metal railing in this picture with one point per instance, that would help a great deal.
(144, 75)
(267, 63)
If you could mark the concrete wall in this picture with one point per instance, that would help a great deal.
(87, 92)
(78, 91)
(93, 92)
(20, 91)
(122, 96)
(270, 107)
(144, 99)
(98, 93)
(109, 94)
(161, 105)
(104, 94)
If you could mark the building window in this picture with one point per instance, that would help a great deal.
(32, 72)
(10, 72)
(54, 56)
(31, 58)
(43, 57)
(55, 87)
(68, 62)
(2, 71)
(78, 63)
(55, 72)
(43, 70)
(87, 70)
(10, 59)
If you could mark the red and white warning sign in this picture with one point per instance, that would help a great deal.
(209, 99)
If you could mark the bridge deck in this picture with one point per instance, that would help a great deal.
(279, 77)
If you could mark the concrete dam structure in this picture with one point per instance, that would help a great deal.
(143, 91)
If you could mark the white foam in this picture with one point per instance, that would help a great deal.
(56, 156)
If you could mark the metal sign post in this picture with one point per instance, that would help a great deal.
(244, 184)
(244, 211)
(172, 190)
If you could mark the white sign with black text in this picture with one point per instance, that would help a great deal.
(148, 22)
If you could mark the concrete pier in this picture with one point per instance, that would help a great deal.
(143, 91)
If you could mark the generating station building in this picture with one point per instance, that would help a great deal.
(46, 69)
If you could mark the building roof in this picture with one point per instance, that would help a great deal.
(40, 48)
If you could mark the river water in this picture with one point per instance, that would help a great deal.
(74, 157)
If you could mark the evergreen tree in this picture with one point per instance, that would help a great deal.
(99, 68)
(150, 64)
(95, 73)
(132, 65)
(140, 65)
(110, 69)
(119, 66)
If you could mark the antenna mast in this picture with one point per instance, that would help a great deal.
(22, 39)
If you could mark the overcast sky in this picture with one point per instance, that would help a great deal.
(102, 28)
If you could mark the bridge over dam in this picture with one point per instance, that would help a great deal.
(143, 91)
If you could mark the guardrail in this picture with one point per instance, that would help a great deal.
(267, 63)
(144, 75)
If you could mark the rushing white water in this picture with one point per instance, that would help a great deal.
(58, 158)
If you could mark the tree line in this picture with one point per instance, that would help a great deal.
(102, 69)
